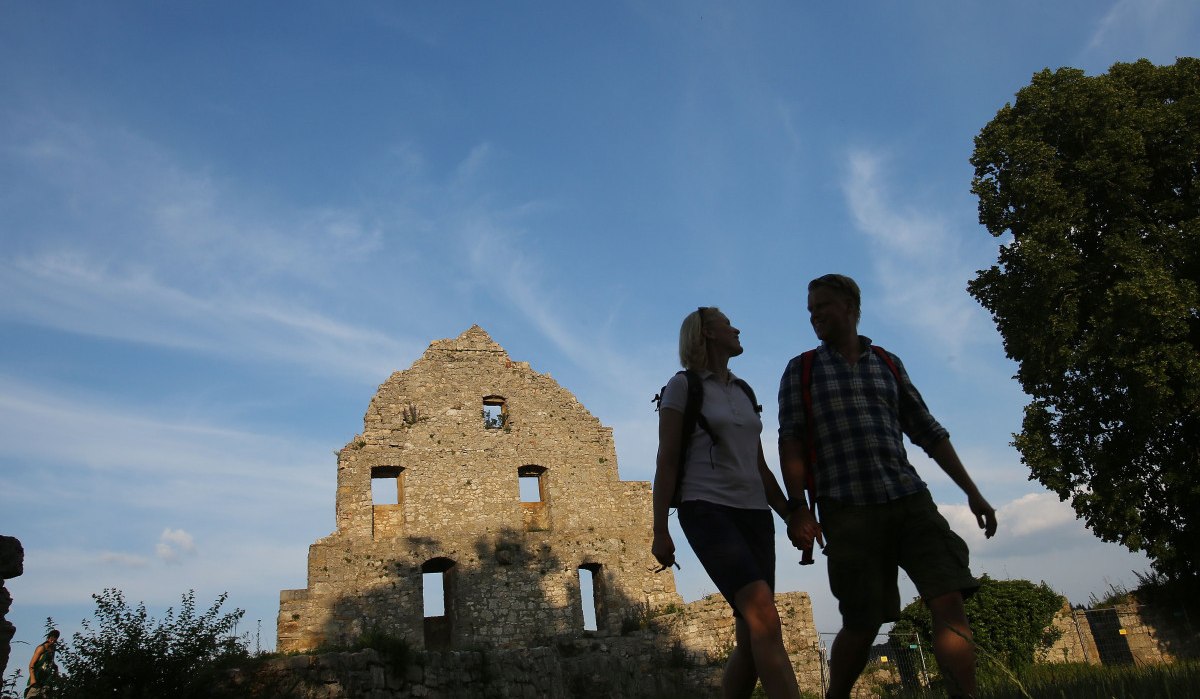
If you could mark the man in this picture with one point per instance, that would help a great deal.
(875, 511)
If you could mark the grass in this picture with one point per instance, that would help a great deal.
(1081, 681)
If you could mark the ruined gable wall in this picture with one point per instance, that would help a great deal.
(516, 564)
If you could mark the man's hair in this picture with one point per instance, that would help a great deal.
(693, 346)
(843, 285)
(53, 633)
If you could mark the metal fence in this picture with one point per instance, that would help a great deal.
(1131, 634)
(893, 662)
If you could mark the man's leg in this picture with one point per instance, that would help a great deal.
(756, 603)
(952, 643)
(849, 655)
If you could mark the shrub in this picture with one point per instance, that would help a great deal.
(129, 654)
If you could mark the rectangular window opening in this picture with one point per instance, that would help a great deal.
(387, 485)
(433, 588)
(587, 595)
(531, 487)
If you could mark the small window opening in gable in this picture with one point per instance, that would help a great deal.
(532, 483)
(387, 485)
(495, 413)
(589, 576)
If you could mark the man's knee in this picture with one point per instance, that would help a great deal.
(947, 609)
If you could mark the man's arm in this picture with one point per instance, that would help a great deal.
(802, 523)
(945, 456)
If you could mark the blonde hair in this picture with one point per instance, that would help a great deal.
(693, 345)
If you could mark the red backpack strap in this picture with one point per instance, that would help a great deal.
(887, 359)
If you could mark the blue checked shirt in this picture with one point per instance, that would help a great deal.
(860, 415)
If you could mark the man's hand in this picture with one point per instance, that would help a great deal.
(985, 516)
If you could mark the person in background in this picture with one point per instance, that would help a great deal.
(41, 665)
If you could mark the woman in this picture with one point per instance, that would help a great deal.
(41, 665)
(727, 493)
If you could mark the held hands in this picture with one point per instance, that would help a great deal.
(803, 529)
(985, 516)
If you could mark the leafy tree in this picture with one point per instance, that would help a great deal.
(1093, 183)
(128, 654)
(1010, 619)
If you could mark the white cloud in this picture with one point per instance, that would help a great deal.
(1032, 524)
(174, 543)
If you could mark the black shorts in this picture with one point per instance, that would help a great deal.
(735, 546)
(866, 544)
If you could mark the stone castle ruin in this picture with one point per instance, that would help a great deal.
(487, 486)
(477, 470)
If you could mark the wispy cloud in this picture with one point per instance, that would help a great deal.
(915, 256)
(1156, 29)
(161, 464)
(123, 560)
(138, 248)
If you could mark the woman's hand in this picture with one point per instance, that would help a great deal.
(663, 549)
(803, 529)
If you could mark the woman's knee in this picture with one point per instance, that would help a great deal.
(756, 604)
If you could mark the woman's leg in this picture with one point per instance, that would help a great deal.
(756, 604)
(740, 676)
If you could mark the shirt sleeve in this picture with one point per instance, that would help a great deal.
(674, 394)
(791, 402)
(915, 419)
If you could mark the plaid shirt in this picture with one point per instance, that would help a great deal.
(861, 416)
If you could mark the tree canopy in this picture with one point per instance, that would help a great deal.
(1093, 186)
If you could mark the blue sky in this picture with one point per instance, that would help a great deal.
(224, 224)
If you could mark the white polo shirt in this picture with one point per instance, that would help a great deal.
(726, 474)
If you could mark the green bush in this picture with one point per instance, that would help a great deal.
(1010, 620)
(127, 653)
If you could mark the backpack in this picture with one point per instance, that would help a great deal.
(693, 418)
(810, 477)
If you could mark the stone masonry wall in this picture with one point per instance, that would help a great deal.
(676, 651)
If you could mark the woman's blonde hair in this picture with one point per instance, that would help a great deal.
(693, 346)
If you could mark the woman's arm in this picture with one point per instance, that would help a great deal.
(775, 497)
(666, 475)
(37, 653)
